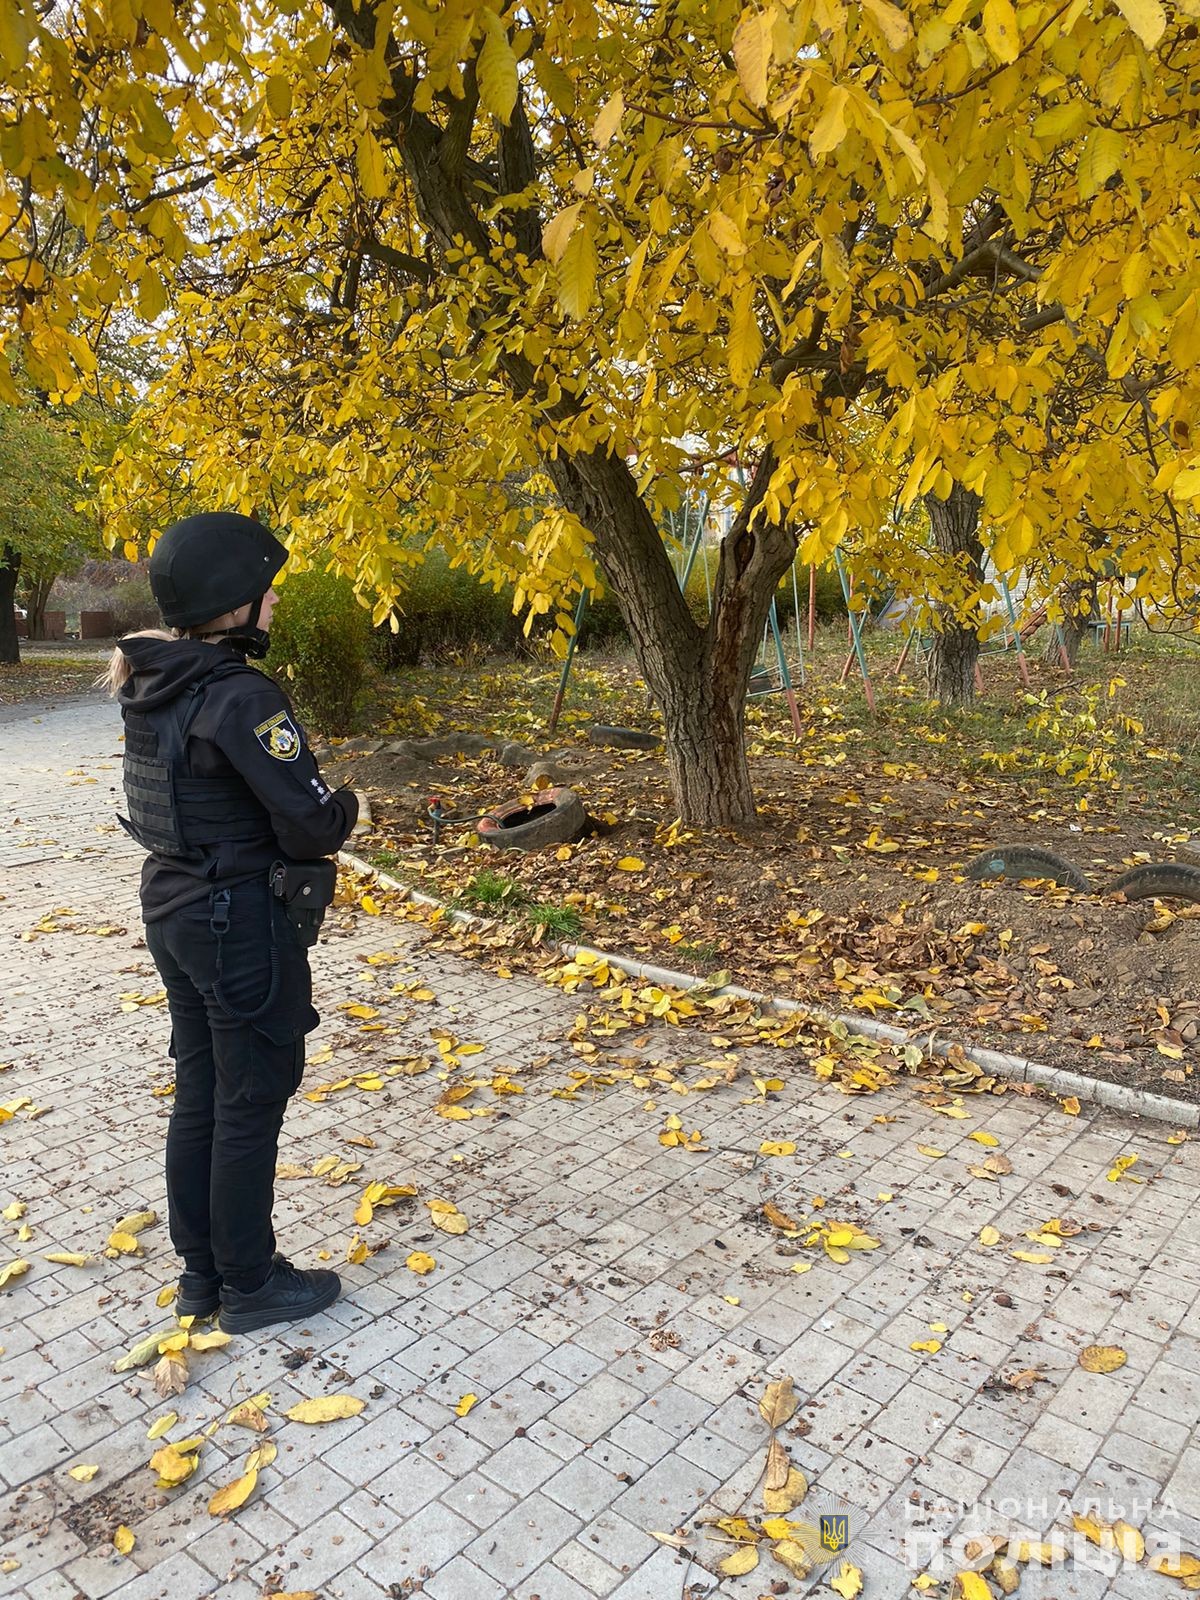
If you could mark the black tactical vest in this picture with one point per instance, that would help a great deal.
(171, 813)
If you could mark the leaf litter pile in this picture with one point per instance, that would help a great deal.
(850, 892)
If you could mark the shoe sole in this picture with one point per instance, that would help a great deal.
(198, 1308)
(251, 1321)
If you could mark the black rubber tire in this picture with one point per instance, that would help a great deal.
(1026, 861)
(1158, 880)
(611, 738)
(563, 823)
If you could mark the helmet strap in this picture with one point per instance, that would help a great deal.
(247, 638)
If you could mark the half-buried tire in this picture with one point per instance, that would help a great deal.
(1026, 861)
(1166, 880)
(555, 817)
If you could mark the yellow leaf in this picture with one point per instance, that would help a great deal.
(778, 1403)
(848, 1582)
(928, 1150)
(630, 864)
(234, 1494)
(370, 905)
(787, 1497)
(893, 24)
(1102, 1357)
(496, 67)
(752, 53)
(14, 1212)
(1070, 1105)
(555, 235)
(365, 1013)
(278, 93)
(779, 1219)
(83, 1473)
(793, 1555)
(607, 123)
(372, 168)
(928, 1347)
(420, 1263)
(356, 1251)
(1000, 31)
(742, 1560)
(971, 1586)
(173, 1466)
(248, 1415)
(162, 1425)
(124, 1244)
(1184, 1565)
(1129, 1541)
(777, 1147)
(1147, 19)
(465, 1404)
(1032, 1256)
(577, 274)
(989, 1235)
(216, 1340)
(326, 1408)
(14, 1269)
(984, 1138)
(123, 1540)
(262, 1456)
(67, 1258)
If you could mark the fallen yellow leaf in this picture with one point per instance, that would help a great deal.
(14, 1269)
(123, 1540)
(777, 1147)
(326, 1408)
(66, 1258)
(1102, 1358)
(778, 1403)
(848, 1582)
(989, 1235)
(420, 1263)
(83, 1473)
(234, 1494)
(742, 1560)
(465, 1404)
(162, 1425)
(630, 864)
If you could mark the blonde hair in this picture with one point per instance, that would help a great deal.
(118, 671)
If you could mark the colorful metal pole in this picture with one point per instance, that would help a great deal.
(580, 612)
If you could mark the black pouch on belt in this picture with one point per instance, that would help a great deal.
(305, 889)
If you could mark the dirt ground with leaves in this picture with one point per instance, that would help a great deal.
(851, 889)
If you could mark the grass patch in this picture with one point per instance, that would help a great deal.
(557, 922)
(491, 892)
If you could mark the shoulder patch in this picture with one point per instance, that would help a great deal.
(279, 737)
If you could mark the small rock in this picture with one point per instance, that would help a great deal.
(515, 755)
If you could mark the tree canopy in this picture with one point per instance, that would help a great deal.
(851, 253)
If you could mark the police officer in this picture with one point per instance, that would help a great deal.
(224, 793)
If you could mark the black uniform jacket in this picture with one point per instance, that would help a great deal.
(245, 727)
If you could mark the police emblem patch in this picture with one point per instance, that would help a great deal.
(279, 737)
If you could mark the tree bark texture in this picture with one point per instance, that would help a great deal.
(10, 566)
(955, 653)
(1079, 603)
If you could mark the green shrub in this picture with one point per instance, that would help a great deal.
(444, 612)
(320, 648)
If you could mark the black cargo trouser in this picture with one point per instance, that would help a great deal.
(233, 1077)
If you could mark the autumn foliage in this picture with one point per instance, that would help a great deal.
(544, 271)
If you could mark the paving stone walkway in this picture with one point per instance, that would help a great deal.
(616, 1307)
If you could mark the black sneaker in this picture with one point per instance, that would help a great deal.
(289, 1295)
(200, 1292)
(199, 1295)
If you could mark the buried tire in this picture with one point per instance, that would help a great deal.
(1026, 861)
(556, 817)
(1166, 880)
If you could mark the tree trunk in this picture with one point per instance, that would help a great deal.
(698, 677)
(37, 593)
(10, 566)
(1078, 602)
(955, 654)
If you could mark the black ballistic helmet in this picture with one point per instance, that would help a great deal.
(212, 563)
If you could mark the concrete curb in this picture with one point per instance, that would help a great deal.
(1014, 1069)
